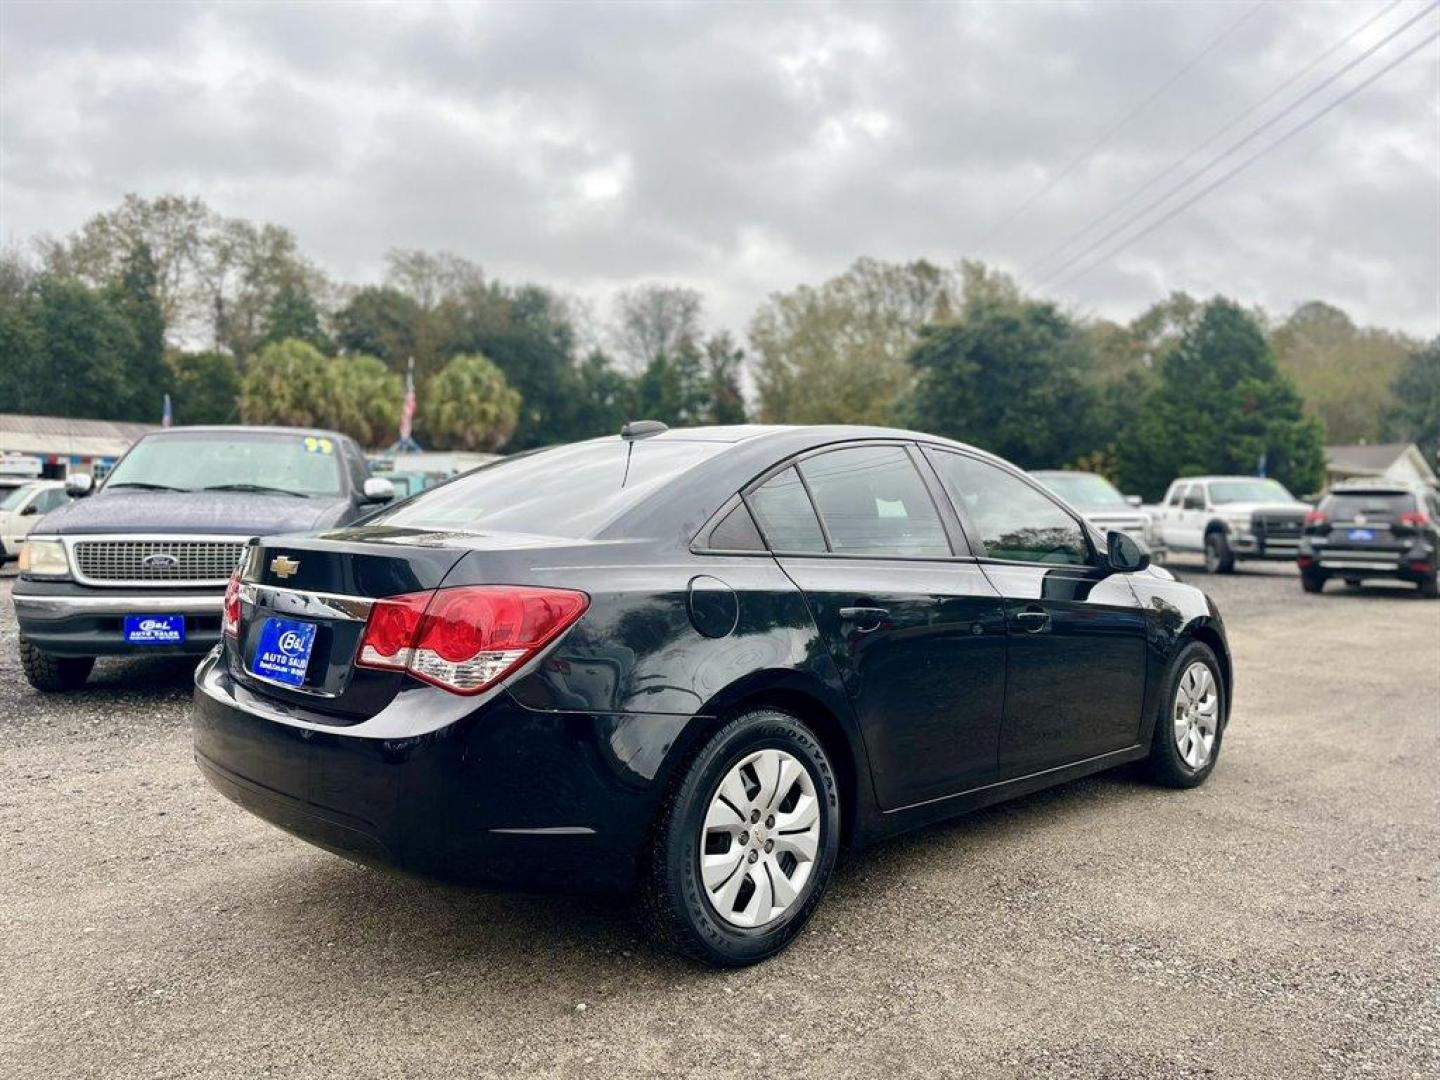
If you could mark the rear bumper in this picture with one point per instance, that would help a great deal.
(502, 795)
(67, 619)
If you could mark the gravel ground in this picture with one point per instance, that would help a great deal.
(1279, 922)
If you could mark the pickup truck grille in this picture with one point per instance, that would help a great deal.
(162, 562)
(1278, 525)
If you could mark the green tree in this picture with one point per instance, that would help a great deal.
(1222, 406)
(23, 384)
(724, 361)
(293, 314)
(653, 322)
(1415, 416)
(288, 383)
(134, 296)
(1343, 371)
(469, 406)
(837, 353)
(1010, 375)
(367, 399)
(605, 397)
(383, 321)
(292, 382)
(205, 387)
(85, 349)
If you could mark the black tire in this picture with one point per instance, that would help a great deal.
(53, 674)
(1219, 559)
(1430, 587)
(1312, 582)
(674, 905)
(1165, 765)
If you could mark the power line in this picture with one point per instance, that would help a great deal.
(1080, 159)
(1175, 189)
(1227, 126)
(1302, 126)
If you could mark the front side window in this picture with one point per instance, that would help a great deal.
(1013, 520)
(231, 460)
(873, 502)
(785, 515)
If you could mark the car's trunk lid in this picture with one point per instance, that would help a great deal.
(305, 602)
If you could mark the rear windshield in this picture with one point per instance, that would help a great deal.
(238, 460)
(1386, 504)
(569, 491)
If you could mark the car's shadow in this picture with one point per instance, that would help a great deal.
(457, 932)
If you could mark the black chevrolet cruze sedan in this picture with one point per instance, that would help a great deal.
(694, 665)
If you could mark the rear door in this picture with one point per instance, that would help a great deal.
(1075, 665)
(916, 630)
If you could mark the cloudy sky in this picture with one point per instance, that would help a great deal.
(744, 149)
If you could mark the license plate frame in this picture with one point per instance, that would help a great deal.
(283, 651)
(153, 630)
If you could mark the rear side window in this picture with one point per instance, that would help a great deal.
(785, 516)
(1386, 505)
(873, 502)
(567, 491)
(1013, 520)
(736, 532)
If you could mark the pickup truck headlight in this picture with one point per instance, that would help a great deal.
(44, 559)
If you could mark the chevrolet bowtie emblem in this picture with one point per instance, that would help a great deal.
(282, 566)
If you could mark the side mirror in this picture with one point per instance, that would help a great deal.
(1133, 500)
(78, 485)
(31, 509)
(1125, 554)
(377, 490)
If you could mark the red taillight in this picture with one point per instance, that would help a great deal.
(1414, 517)
(465, 639)
(230, 614)
(1316, 517)
(390, 631)
(1305, 562)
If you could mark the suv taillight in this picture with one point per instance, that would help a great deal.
(467, 638)
(230, 614)
(1315, 517)
(1414, 517)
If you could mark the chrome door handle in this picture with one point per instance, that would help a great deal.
(1033, 620)
(864, 619)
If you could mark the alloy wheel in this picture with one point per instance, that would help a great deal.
(1196, 714)
(760, 838)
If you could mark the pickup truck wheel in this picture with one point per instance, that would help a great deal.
(1219, 559)
(1430, 586)
(54, 673)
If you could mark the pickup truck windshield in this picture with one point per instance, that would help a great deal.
(237, 460)
(1085, 489)
(1248, 491)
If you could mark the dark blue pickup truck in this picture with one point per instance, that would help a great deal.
(141, 565)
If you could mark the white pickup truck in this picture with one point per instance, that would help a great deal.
(1231, 518)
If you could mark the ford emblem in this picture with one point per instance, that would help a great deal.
(160, 561)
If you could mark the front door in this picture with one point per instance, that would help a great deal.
(917, 634)
(1075, 664)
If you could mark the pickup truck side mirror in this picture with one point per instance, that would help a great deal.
(377, 490)
(1124, 553)
(78, 485)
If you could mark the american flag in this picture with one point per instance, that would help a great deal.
(407, 409)
(167, 417)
